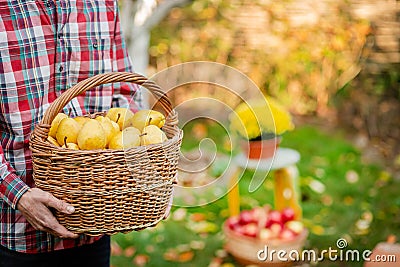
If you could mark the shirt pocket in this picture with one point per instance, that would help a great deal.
(89, 57)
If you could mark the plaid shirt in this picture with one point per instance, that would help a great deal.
(45, 48)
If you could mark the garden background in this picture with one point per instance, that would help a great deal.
(335, 66)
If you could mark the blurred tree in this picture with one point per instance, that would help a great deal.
(138, 17)
(299, 51)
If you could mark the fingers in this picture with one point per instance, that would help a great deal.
(60, 205)
(56, 228)
(43, 220)
(61, 231)
(34, 206)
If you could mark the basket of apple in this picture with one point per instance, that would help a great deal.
(117, 167)
(256, 236)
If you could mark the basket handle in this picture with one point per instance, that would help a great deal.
(104, 78)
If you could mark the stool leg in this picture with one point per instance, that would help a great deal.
(234, 195)
(287, 190)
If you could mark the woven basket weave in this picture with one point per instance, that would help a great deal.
(112, 190)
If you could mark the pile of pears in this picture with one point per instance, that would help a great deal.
(120, 128)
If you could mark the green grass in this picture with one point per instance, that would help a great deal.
(364, 209)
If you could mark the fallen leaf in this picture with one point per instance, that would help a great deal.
(317, 186)
(149, 248)
(115, 249)
(182, 248)
(368, 216)
(203, 227)
(221, 253)
(327, 200)
(199, 131)
(179, 214)
(170, 255)
(186, 256)
(194, 244)
(348, 200)
(141, 260)
(227, 145)
(352, 176)
(317, 229)
(129, 251)
(197, 217)
(362, 225)
(215, 262)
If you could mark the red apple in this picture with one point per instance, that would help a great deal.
(274, 216)
(295, 226)
(250, 229)
(267, 208)
(276, 229)
(246, 217)
(258, 213)
(287, 214)
(287, 234)
(266, 234)
(233, 222)
(239, 229)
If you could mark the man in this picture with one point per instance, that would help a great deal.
(46, 47)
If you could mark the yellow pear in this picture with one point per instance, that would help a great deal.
(71, 146)
(92, 136)
(115, 125)
(53, 141)
(109, 129)
(68, 128)
(131, 130)
(120, 115)
(81, 120)
(129, 137)
(151, 134)
(116, 141)
(145, 117)
(55, 123)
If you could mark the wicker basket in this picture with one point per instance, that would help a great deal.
(112, 190)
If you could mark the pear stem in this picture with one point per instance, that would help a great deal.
(150, 120)
(65, 141)
(142, 134)
(118, 116)
(69, 112)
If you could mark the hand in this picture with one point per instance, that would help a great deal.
(34, 206)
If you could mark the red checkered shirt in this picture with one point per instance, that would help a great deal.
(45, 48)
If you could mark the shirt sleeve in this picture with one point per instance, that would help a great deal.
(125, 94)
(11, 186)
